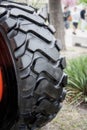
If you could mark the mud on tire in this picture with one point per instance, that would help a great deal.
(39, 75)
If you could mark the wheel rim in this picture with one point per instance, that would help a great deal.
(8, 86)
(1, 85)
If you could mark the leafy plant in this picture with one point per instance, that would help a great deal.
(77, 80)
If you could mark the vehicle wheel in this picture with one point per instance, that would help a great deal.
(32, 80)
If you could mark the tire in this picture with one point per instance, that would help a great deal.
(34, 86)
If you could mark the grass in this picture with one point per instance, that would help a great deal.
(77, 81)
(69, 118)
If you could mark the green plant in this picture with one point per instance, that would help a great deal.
(77, 80)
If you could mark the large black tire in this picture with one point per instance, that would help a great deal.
(35, 85)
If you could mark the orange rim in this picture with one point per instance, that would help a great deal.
(1, 85)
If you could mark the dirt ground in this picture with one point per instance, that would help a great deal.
(70, 117)
(74, 51)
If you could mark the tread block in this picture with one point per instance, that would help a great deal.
(38, 31)
(3, 11)
(9, 24)
(42, 65)
(26, 59)
(63, 63)
(24, 73)
(34, 18)
(43, 16)
(48, 88)
(19, 39)
(64, 80)
(19, 52)
(41, 120)
(29, 104)
(63, 96)
(52, 29)
(58, 44)
(39, 45)
(24, 22)
(28, 86)
(14, 5)
(47, 107)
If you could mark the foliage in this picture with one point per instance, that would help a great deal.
(77, 82)
(83, 1)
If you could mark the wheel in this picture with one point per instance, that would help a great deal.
(32, 80)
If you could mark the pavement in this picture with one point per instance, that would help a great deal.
(69, 36)
(73, 51)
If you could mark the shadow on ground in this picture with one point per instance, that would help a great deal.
(69, 118)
